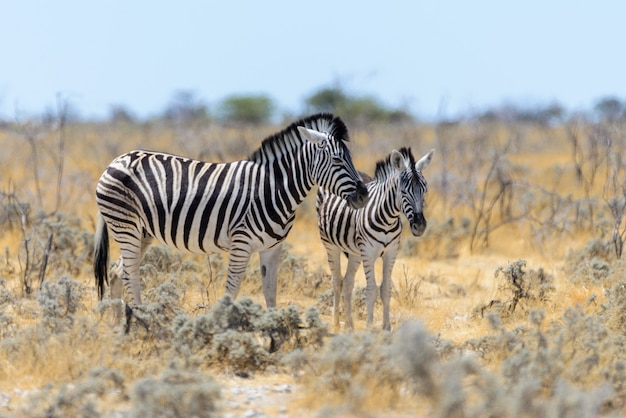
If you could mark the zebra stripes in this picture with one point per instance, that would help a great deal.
(373, 231)
(240, 207)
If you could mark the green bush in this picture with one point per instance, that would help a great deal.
(249, 109)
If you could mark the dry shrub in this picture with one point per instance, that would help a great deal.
(359, 301)
(325, 302)
(409, 372)
(7, 299)
(591, 264)
(342, 372)
(243, 336)
(571, 366)
(61, 341)
(613, 311)
(12, 210)
(236, 335)
(49, 246)
(363, 372)
(72, 244)
(160, 260)
(59, 303)
(146, 328)
(59, 245)
(522, 290)
(87, 397)
(406, 290)
(175, 394)
(152, 320)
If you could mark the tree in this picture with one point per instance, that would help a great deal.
(353, 108)
(246, 109)
(120, 114)
(327, 100)
(610, 109)
(511, 112)
(185, 107)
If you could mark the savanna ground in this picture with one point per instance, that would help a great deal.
(512, 303)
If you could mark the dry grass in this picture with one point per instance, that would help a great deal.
(465, 341)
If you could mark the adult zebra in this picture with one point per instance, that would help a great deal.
(241, 207)
(373, 231)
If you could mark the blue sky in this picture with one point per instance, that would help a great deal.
(432, 57)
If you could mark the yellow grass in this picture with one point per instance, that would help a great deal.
(449, 287)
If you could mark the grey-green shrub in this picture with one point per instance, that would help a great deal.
(7, 298)
(590, 264)
(613, 311)
(88, 397)
(59, 301)
(242, 335)
(154, 317)
(160, 260)
(521, 289)
(570, 367)
(175, 394)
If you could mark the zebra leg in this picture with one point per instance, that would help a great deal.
(371, 290)
(348, 286)
(133, 244)
(389, 258)
(130, 277)
(269, 269)
(238, 259)
(334, 262)
(115, 281)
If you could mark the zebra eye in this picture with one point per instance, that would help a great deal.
(336, 158)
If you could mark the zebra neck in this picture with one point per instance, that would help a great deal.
(289, 175)
(384, 198)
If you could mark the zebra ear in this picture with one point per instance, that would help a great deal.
(424, 162)
(314, 136)
(397, 161)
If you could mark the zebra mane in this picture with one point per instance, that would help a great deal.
(289, 138)
(384, 169)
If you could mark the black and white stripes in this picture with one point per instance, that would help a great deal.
(241, 207)
(373, 231)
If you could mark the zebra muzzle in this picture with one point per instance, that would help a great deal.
(418, 226)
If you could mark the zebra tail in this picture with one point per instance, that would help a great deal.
(101, 256)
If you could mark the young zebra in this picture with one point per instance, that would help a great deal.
(240, 207)
(373, 231)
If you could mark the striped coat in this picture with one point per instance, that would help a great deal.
(373, 231)
(241, 207)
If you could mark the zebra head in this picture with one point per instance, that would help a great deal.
(333, 168)
(412, 187)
